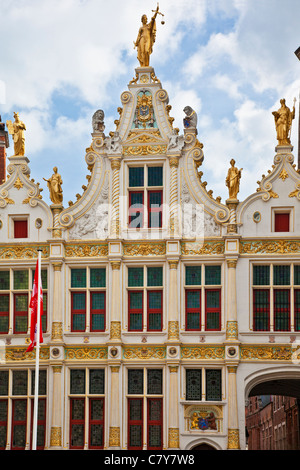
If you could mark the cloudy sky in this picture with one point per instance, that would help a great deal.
(231, 60)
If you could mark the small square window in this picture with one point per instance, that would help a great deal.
(282, 222)
(20, 229)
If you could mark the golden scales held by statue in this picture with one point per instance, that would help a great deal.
(146, 38)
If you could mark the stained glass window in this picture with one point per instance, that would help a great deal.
(97, 311)
(213, 309)
(193, 275)
(135, 310)
(135, 423)
(297, 274)
(135, 381)
(77, 423)
(282, 309)
(78, 277)
(297, 309)
(3, 423)
(155, 176)
(98, 277)
(4, 382)
(19, 415)
(4, 313)
(78, 311)
(154, 423)
(19, 382)
(212, 275)
(281, 275)
(96, 423)
(155, 276)
(261, 275)
(261, 299)
(154, 209)
(97, 381)
(213, 385)
(21, 279)
(4, 280)
(193, 309)
(77, 381)
(135, 277)
(193, 384)
(42, 382)
(154, 381)
(154, 310)
(44, 277)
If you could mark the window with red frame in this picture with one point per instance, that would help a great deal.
(145, 190)
(20, 228)
(150, 399)
(282, 222)
(202, 294)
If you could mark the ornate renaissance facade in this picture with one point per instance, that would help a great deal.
(163, 306)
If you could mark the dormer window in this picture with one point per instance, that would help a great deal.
(145, 196)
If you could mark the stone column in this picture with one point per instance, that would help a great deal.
(173, 436)
(233, 424)
(56, 210)
(232, 324)
(114, 425)
(174, 224)
(56, 425)
(115, 216)
(57, 333)
(173, 322)
(115, 312)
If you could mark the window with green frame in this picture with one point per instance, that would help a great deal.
(278, 282)
(145, 294)
(203, 294)
(88, 299)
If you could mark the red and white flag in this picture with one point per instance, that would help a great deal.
(33, 305)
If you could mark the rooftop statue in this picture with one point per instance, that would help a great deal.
(283, 122)
(16, 129)
(146, 38)
(54, 184)
(233, 180)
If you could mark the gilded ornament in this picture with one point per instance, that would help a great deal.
(270, 247)
(17, 129)
(91, 353)
(203, 352)
(233, 439)
(145, 150)
(149, 352)
(231, 330)
(266, 352)
(231, 263)
(18, 184)
(283, 123)
(23, 252)
(114, 437)
(144, 249)
(208, 248)
(146, 38)
(173, 330)
(173, 438)
(55, 438)
(86, 250)
(284, 174)
(115, 330)
(233, 180)
(57, 331)
(55, 187)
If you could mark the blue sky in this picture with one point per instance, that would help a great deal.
(231, 60)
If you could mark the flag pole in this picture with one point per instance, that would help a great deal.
(37, 358)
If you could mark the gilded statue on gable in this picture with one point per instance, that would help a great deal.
(283, 123)
(16, 129)
(55, 187)
(146, 38)
(233, 180)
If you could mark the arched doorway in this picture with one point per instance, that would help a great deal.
(273, 411)
(203, 446)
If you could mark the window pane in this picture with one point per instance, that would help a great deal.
(193, 384)
(297, 309)
(78, 277)
(154, 382)
(3, 383)
(98, 277)
(21, 279)
(155, 176)
(136, 177)
(193, 275)
(155, 276)
(136, 300)
(98, 300)
(282, 309)
(213, 385)
(193, 299)
(97, 381)
(4, 280)
(297, 275)
(19, 382)
(19, 424)
(261, 275)
(135, 381)
(135, 277)
(3, 425)
(154, 199)
(136, 199)
(261, 310)
(77, 381)
(42, 382)
(281, 275)
(212, 275)
(4, 312)
(78, 301)
(212, 298)
(44, 277)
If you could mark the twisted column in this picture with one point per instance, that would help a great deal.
(174, 162)
(232, 225)
(115, 219)
(56, 210)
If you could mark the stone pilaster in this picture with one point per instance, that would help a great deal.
(233, 424)
(114, 424)
(232, 324)
(115, 316)
(56, 333)
(173, 321)
(115, 216)
(56, 424)
(173, 434)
